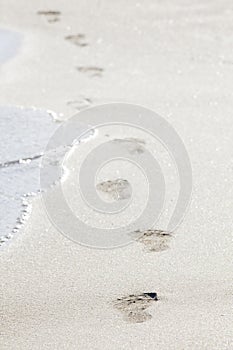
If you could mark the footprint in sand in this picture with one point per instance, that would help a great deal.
(80, 103)
(153, 240)
(77, 39)
(133, 145)
(118, 189)
(134, 307)
(51, 16)
(91, 71)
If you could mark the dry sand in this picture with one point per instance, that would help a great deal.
(176, 58)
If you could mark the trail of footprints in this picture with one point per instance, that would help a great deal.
(133, 307)
(119, 189)
(79, 40)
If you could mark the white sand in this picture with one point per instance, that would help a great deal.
(176, 58)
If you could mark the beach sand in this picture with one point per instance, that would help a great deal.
(175, 58)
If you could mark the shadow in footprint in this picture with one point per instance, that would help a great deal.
(134, 307)
(91, 71)
(153, 240)
(77, 39)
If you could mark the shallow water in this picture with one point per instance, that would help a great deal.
(24, 135)
(9, 44)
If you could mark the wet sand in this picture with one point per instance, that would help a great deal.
(175, 58)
